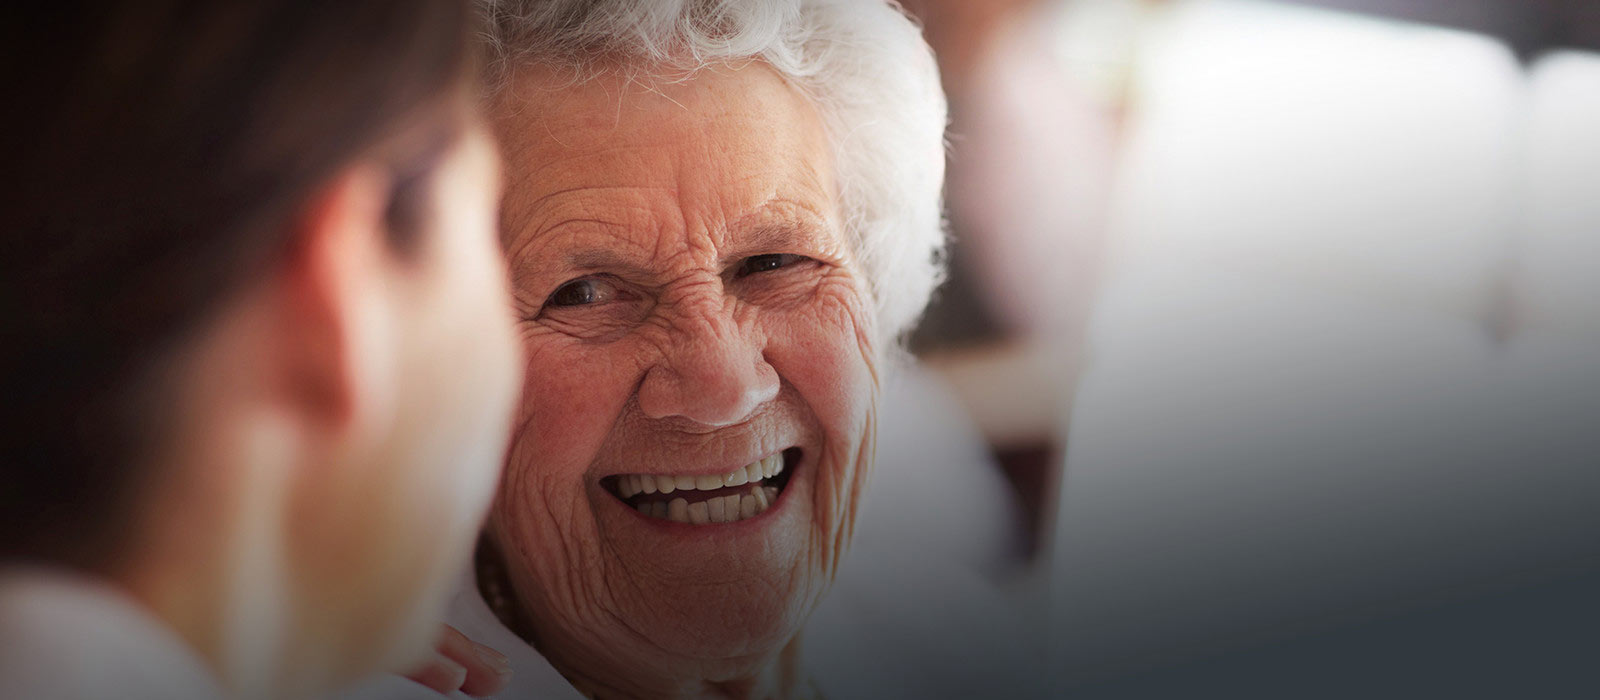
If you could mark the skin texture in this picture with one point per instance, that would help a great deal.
(660, 191)
(339, 431)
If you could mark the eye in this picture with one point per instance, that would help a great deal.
(584, 292)
(766, 263)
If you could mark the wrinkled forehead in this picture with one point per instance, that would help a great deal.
(728, 157)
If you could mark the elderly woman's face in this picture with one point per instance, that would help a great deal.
(698, 405)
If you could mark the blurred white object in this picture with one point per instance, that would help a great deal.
(1557, 278)
(1300, 461)
(1323, 150)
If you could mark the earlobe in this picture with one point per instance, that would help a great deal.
(334, 309)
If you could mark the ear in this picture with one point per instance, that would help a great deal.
(337, 322)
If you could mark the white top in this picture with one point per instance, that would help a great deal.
(69, 638)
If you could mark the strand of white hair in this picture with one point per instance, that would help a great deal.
(863, 63)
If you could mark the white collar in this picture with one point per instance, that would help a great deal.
(533, 677)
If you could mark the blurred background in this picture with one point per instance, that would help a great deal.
(1280, 322)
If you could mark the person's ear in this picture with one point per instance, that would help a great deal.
(338, 328)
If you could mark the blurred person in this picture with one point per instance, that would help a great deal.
(1038, 90)
(258, 361)
(719, 217)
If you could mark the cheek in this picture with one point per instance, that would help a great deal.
(572, 394)
(824, 349)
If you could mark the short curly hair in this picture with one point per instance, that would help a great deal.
(863, 63)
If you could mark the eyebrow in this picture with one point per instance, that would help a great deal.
(773, 237)
(765, 237)
(601, 259)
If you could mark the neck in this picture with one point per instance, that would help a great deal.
(187, 600)
(210, 563)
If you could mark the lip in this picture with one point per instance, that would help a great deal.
(798, 472)
(709, 472)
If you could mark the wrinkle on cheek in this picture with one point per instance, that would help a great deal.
(628, 585)
(850, 500)
(572, 395)
(830, 342)
(546, 533)
(842, 307)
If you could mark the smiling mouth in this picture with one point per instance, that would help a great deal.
(707, 499)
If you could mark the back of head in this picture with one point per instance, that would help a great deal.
(154, 153)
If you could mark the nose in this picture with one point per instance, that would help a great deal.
(712, 373)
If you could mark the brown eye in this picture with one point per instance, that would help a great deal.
(766, 263)
(584, 292)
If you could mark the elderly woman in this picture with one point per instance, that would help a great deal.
(719, 216)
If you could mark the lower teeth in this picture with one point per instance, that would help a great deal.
(719, 509)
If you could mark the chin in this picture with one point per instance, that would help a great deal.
(720, 562)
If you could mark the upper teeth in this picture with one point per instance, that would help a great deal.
(629, 485)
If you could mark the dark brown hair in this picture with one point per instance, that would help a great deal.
(154, 154)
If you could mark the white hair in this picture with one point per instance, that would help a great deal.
(864, 65)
